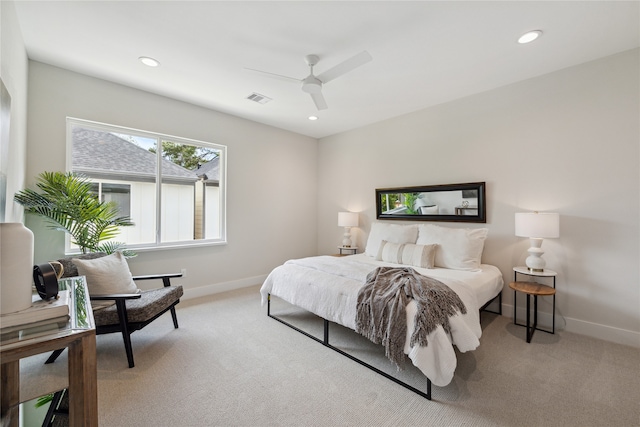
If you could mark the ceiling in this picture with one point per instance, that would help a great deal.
(424, 52)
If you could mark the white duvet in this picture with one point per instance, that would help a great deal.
(328, 287)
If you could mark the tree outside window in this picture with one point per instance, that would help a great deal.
(172, 188)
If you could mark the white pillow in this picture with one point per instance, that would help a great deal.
(458, 248)
(107, 275)
(393, 233)
(407, 253)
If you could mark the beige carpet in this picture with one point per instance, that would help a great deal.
(231, 365)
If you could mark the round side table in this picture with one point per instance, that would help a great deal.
(348, 250)
(535, 289)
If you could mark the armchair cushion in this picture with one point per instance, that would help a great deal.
(107, 275)
(150, 303)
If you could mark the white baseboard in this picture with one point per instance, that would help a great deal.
(582, 327)
(594, 330)
(603, 332)
(201, 291)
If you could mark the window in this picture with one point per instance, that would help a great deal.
(118, 193)
(172, 188)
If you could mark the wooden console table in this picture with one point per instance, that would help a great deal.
(79, 336)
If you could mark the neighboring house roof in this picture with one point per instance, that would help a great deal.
(210, 170)
(103, 153)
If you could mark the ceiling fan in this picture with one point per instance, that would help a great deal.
(312, 84)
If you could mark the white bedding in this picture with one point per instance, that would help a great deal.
(328, 287)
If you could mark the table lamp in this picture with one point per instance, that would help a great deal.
(537, 226)
(347, 220)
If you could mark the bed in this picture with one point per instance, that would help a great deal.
(328, 286)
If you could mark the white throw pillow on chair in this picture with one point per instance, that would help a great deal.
(107, 275)
(429, 210)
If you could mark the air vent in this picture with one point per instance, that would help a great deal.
(260, 99)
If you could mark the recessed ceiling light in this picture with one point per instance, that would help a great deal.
(313, 117)
(149, 61)
(529, 37)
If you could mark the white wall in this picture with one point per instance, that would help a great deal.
(271, 173)
(576, 129)
(13, 71)
(566, 142)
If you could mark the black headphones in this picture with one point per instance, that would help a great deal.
(46, 281)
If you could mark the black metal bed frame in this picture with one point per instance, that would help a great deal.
(325, 342)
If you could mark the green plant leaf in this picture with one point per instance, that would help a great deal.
(67, 203)
(43, 400)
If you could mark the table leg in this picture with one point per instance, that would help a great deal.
(553, 317)
(83, 382)
(535, 317)
(535, 312)
(10, 412)
(529, 335)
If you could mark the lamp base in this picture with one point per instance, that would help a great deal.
(346, 238)
(534, 261)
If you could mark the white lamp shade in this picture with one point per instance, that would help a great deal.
(347, 219)
(538, 225)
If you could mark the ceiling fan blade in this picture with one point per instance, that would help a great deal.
(276, 76)
(346, 66)
(318, 99)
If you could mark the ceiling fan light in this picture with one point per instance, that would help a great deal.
(529, 36)
(311, 85)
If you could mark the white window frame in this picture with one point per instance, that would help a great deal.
(158, 245)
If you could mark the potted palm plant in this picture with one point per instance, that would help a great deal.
(67, 203)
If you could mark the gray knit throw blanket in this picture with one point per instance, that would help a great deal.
(381, 310)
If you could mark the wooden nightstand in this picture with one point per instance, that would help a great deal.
(535, 289)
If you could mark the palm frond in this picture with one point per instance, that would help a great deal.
(67, 203)
(43, 400)
(111, 247)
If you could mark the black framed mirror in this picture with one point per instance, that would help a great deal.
(449, 202)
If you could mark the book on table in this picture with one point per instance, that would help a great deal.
(40, 312)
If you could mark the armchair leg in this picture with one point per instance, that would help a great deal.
(53, 408)
(54, 356)
(126, 336)
(174, 317)
(166, 281)
(127, 347)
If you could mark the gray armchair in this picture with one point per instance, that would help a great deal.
(131, 312)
